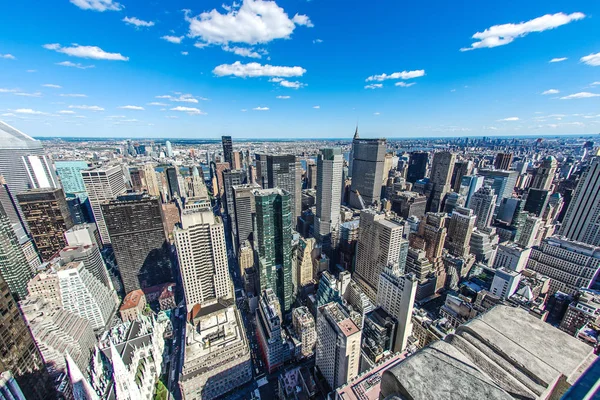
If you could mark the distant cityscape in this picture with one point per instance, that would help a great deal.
(339, 269)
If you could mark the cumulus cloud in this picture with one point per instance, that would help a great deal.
(397, 75)
(500, 35)
(135, 108)
(287, 84)
(74, 65)
(595, 83)
(8, 56)
(316, 41)
(181, 98)
(93, 52)
(316, 107)
(189, 110)
(252, 70)
(260, 109)
(29, 111)
(283, 97)
(66, 112)
(509, 119)
(255, 21)
(560, 59)
(52, 86)
(245, 52)
(592, 59)
(138, 23)
(184, 53)
(97, 5)
(156, 103)
(551, 91)
(88, 108)
(404, 84)
(580, 95)
(374, 86)
(172, 39)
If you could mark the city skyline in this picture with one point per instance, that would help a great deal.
(281, 69)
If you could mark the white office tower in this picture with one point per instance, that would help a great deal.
(483, 203)
(57, 332)
(378, 246)
(582, 220)
(202, 254)
(338, 345)
(151, 180)
(396, 295)
(23, 162)
(127, 360)
(505, 283)
(169, 149)
(330, 164)
(198, 186)
(102, 184)
(511, 256)
(570, 265)
(72, 287)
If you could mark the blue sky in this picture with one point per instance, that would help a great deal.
(297, 68)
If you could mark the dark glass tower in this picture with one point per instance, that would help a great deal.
(273, 241)
(135, 226)
(417, 166)
(173, 183)
(227, 149)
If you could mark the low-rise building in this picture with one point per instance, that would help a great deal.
(133, 305)
(304, 330)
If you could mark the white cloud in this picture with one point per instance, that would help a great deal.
(89, 108)
(50, 85)
(595, 83)
(509, 119)
(189, 110)
(256, 21)
(97, 5)
(302, 20)
(138, 22)
(560, 59)
(29, 111)
(8, 56)
(93, 52)
(317, 41)
(181, 98)
(592, 59)
(260, 109)
(156, 103)
(36, 94)
(245, 52)
(171, 116)
(316, 107)
(31, 70)
(135, 108)
(172, 39)
(4, 90)
(184, 53)
(404, 84)
(580, 95)
(376, 113)
(500, 35)
(374, 86)
(397, 75)
(66, 112)
(73, 95)
(201, 45)
(74, 65)
(287, 84)
(283, 97)
(551, 91)
(254, 69)
(243, 110)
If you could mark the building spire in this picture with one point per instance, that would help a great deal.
(356, 132)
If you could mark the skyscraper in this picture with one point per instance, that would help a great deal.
(304, 262)
(48, 218)
(503, 161)
(151, 180)
(367, 170)
(461, 169)
(338, 345)
(582, 220)
(378, 246)
(71, 180)
(227, 149)
(273, 241)
(483, 203)
(20, 354)
(460, 229)
(544, 174)
(103, 183)
(330, 163)
(202, 255)
(439, 181)
(230, 179)
(396, 295)
(135, 227)
(199, 189)
(304, 329)
(269, 330)
(169, 149)
(417, 166)
(14, 268)
(245, 211)
(285, 172)
(311, 174)
(503, 182)
(173, 181)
